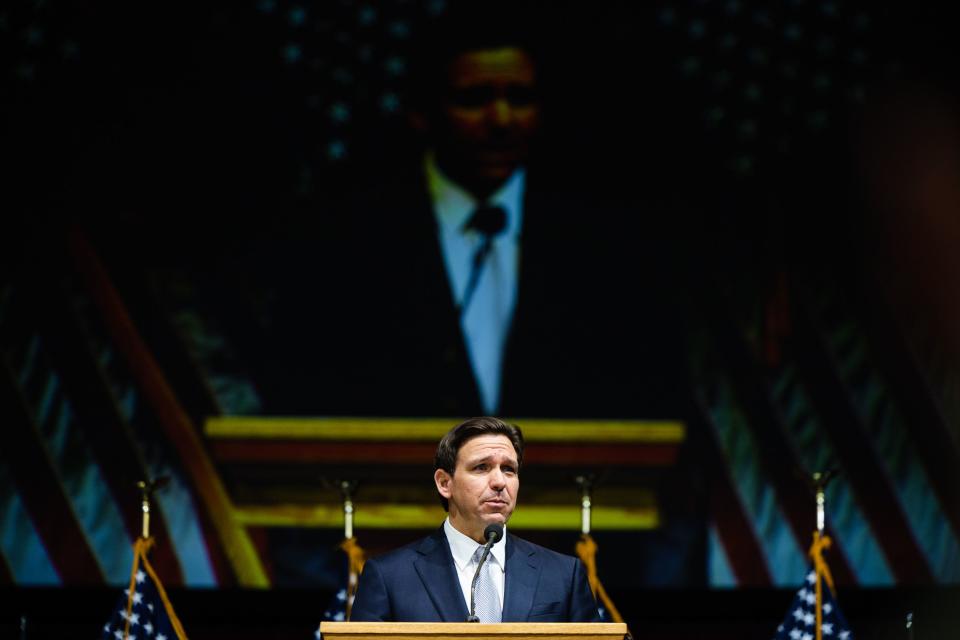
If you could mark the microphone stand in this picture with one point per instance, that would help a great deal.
(492, 533)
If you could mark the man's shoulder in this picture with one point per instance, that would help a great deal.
(525, 547)
(402, 556)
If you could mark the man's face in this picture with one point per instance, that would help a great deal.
(483, 487)
(488, 116)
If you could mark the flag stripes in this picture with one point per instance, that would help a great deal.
(826, 402)
(73, 418)
(740, 545)
(740, 407)
(892, 439)
(42, 495)
(913, 395)
(182, 436)
(22, 550)
(816, 452)
(114, 450)
(864, 470)
(176, 503)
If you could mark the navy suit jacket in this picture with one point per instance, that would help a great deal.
(418, 583)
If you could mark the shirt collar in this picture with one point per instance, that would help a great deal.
(453, 205)
(463, 547)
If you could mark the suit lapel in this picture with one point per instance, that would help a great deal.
(522, 577)
(436, 570)
(437, 327)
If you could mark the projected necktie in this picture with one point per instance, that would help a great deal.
(488, 222)
(486, 600)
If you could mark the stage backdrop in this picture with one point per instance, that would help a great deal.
(736, 267)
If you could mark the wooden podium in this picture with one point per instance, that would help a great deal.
(473, 631)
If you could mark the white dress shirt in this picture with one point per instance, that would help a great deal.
(463, 547)
(486, 320)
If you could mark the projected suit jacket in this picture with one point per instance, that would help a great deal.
(418, 583)
(368, 324)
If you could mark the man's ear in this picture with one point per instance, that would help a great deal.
(442, 480)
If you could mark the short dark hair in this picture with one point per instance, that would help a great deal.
(449, 447)
(465, 26)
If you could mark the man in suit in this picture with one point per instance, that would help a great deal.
(475, 279)
(477, 469)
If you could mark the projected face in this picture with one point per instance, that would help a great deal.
(488, 116)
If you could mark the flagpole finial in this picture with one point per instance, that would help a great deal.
(585, 482)
(820, 479)
(147, 488)
(347, 487)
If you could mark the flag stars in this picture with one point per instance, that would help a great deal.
(148, 627)
(336, 150)
(133, 618)
(826, 628)
(798, 614)
(807, 636)
(389, 103)
(400, 30)
(844, 635)
(33, 36)
(292, 53)
(339, 112)
(161, 636)
(297, 16)
(809, 619)
(827, 608)
(810, 599)
(795, 634)
(395, 66)
(367, 15)
(812, 577)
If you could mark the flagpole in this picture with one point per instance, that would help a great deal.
(346, 490)
(147, 487)
(585, 483)
(587, 547)
(820, 480)
(355, 554)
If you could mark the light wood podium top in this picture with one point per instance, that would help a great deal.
(472, 630)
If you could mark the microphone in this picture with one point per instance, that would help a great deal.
(492, 533)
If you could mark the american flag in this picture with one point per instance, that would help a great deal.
(143, 611)
(339, 608)
(801, 619)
